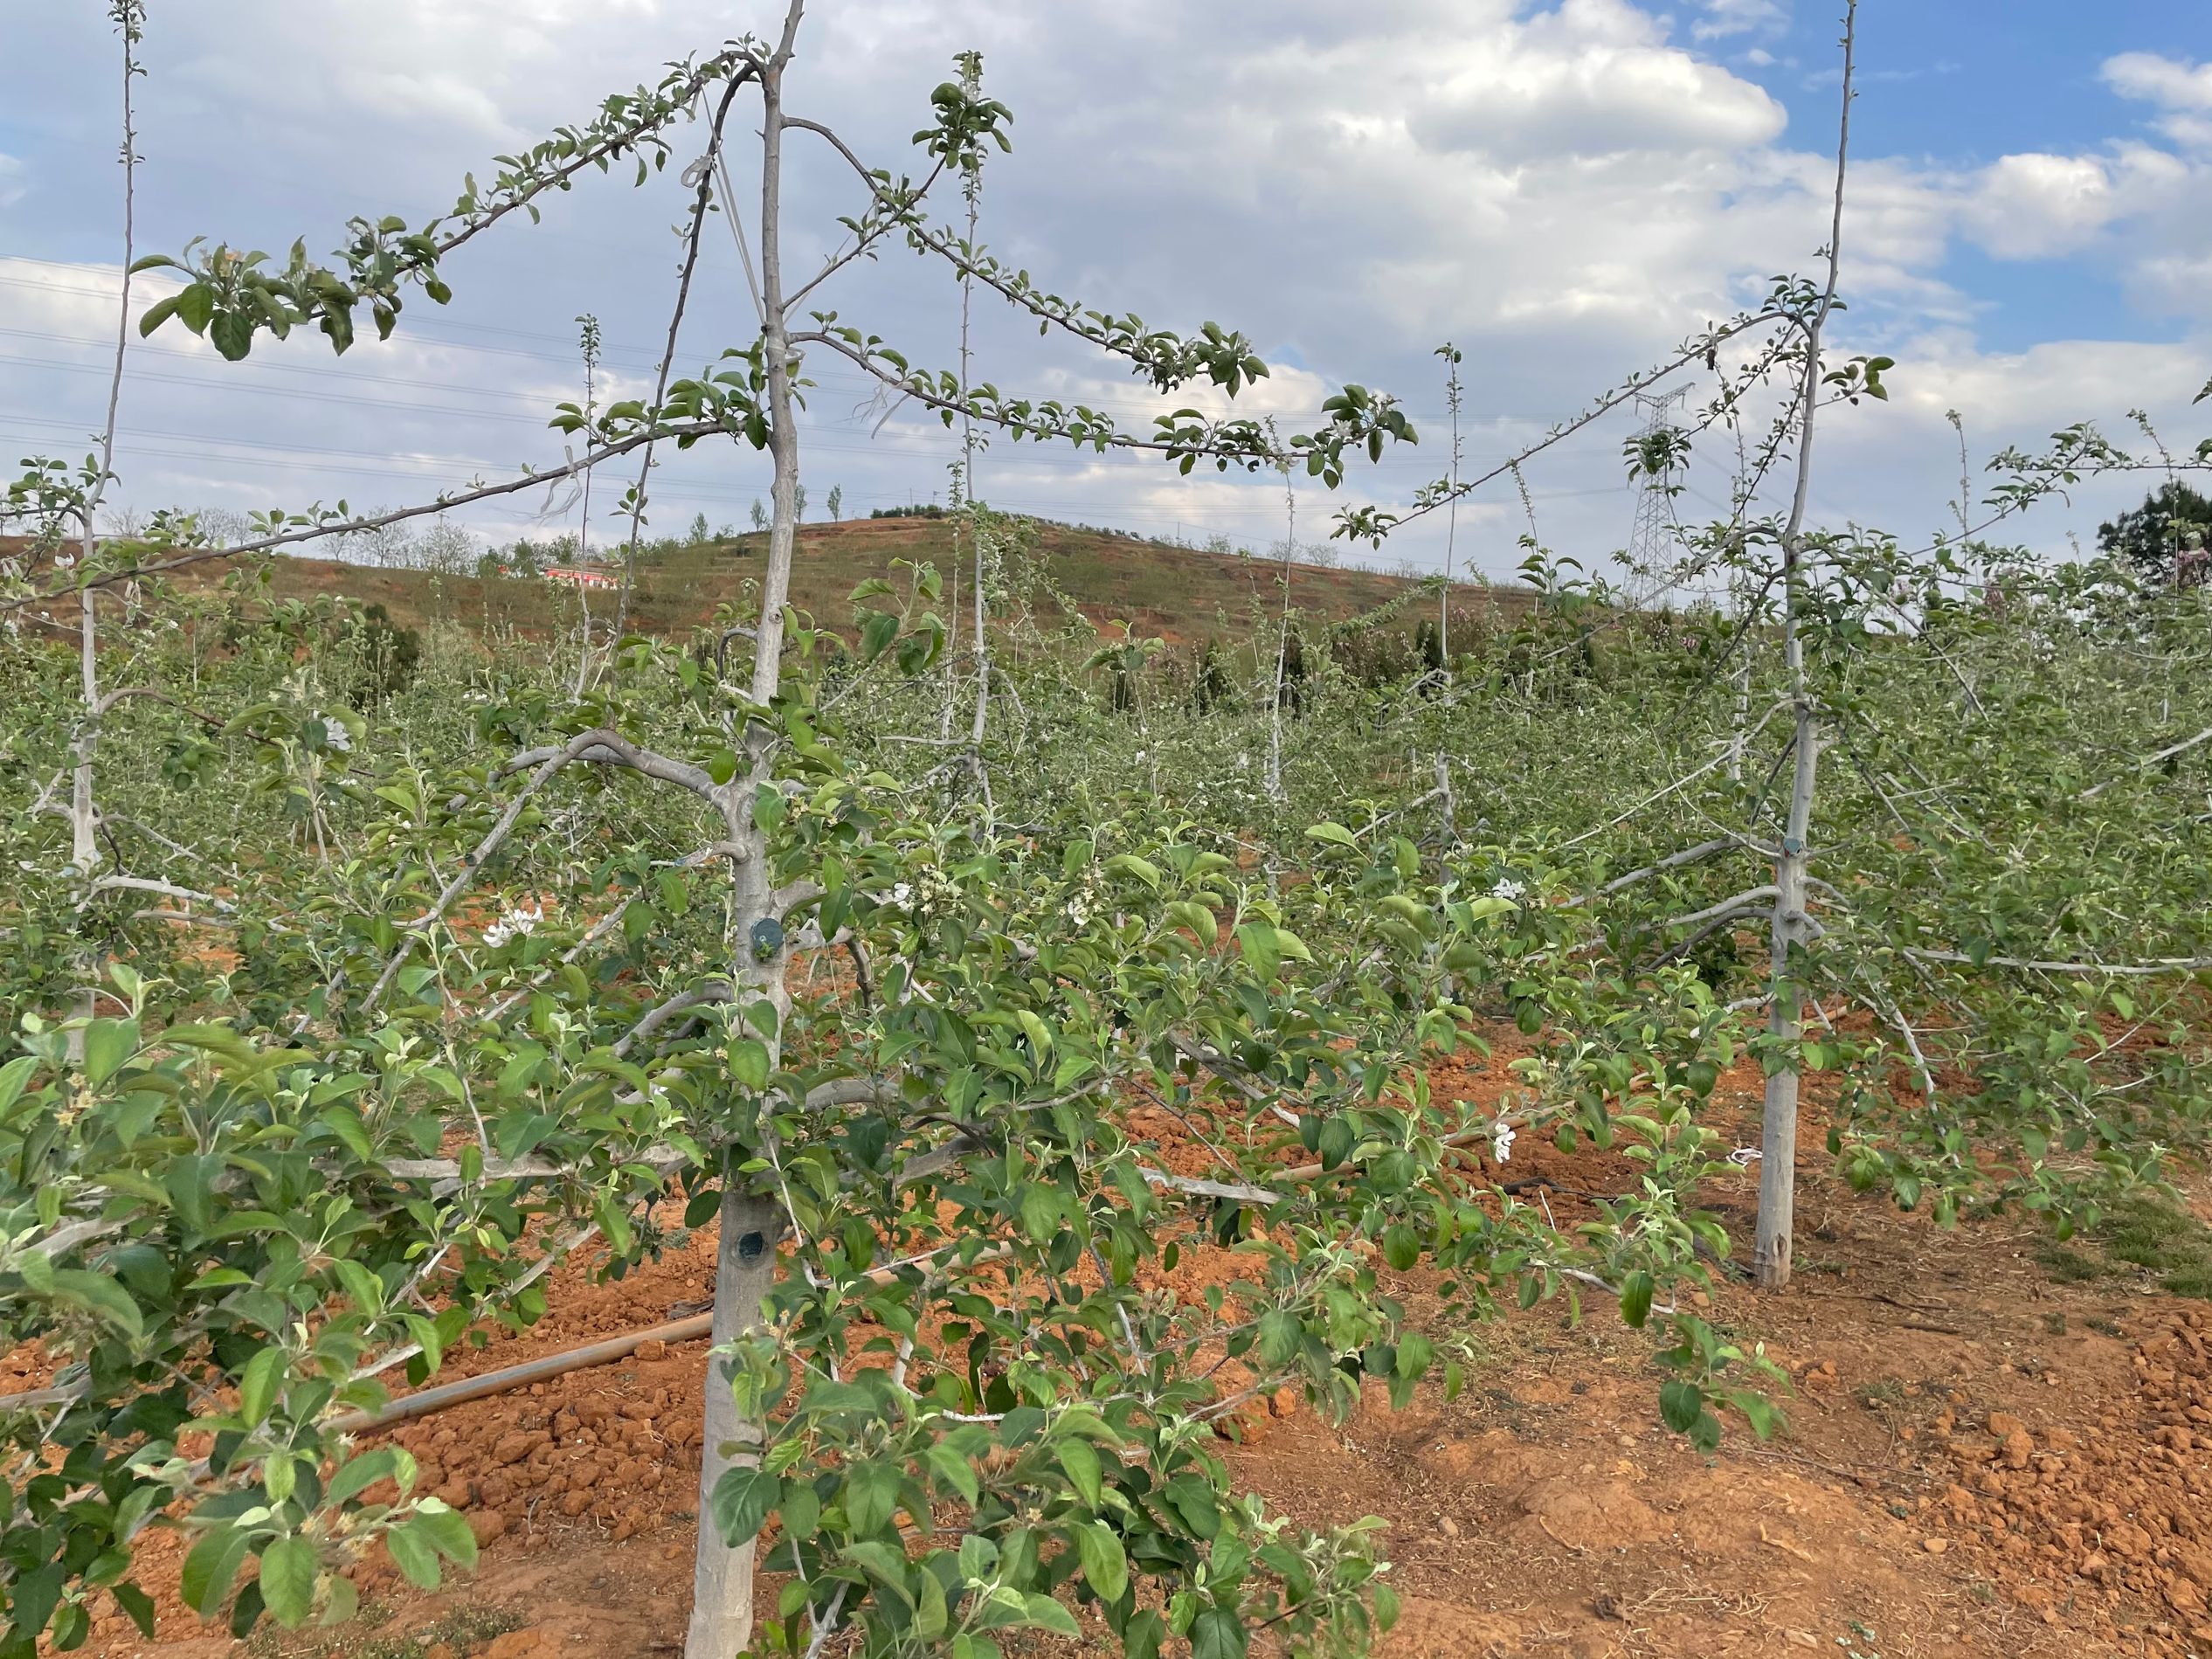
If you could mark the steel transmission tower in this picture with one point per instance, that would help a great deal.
(1654, 508)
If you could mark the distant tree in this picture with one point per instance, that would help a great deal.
(760, 514)
(836, 501)
(446, 548)
(2153, 537)
(799, 503)
(727, 533)
(699, 532)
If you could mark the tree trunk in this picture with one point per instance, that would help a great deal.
(1792, 930)
(722, 1594)
(722, 1606)
(1771, 1253)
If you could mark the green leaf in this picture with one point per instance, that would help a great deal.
(1262, 948)
(258, 1388)
(289, 1568)
(15, 1076)
(955, 1470)
(1105, 1563)
(99, 1296)
(802, 1510)
(108, 1043)
(364, 1287)
(413, 1554)
(209, 1567)
(883, 1563)
(932, 1615)
(1635, 1297)
(1401, 1246)
(1129, 864)
(741, 1503)
(160, 313)
(35, 1596)
(197, 307)
(1333, 834)
(1681, 1404)
(1217, 1633)
(233, 337)
(360, 1474)
(447, 1532)
(749, 1064)
(135, 1603)
(1046, 1614)
(1080, 1459)
(1040, 1211)
(876, 634)
(1199, 920)
(871, 1493)
(1385, 1608)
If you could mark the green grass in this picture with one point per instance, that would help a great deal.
(459, 1630)
(2147, 1234)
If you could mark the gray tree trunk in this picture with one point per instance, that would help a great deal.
(1791, 929)
(722, 1602)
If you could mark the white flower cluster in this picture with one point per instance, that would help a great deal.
(932, 893)
(1502, 1142)
(1508, 889)
(513, 923)
(335, 734)
(1083, 903)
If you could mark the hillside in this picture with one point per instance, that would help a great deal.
(1179, 593)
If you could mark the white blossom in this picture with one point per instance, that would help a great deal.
(513, 923)
(335, 735)
(1508, 889)
(901, 895)
(1502, 1145)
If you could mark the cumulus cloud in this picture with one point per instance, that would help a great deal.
(1592, 78)
(2037, 205)
(2166, 81)
(2182, 91)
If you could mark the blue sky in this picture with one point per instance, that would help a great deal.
(1565, 188)
(1965, 82)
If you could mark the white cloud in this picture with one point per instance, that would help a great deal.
(1564, 188)
(1725, 17)
(1594, 78)
(2182, 90)
(2032, 206)
(2164, 81)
